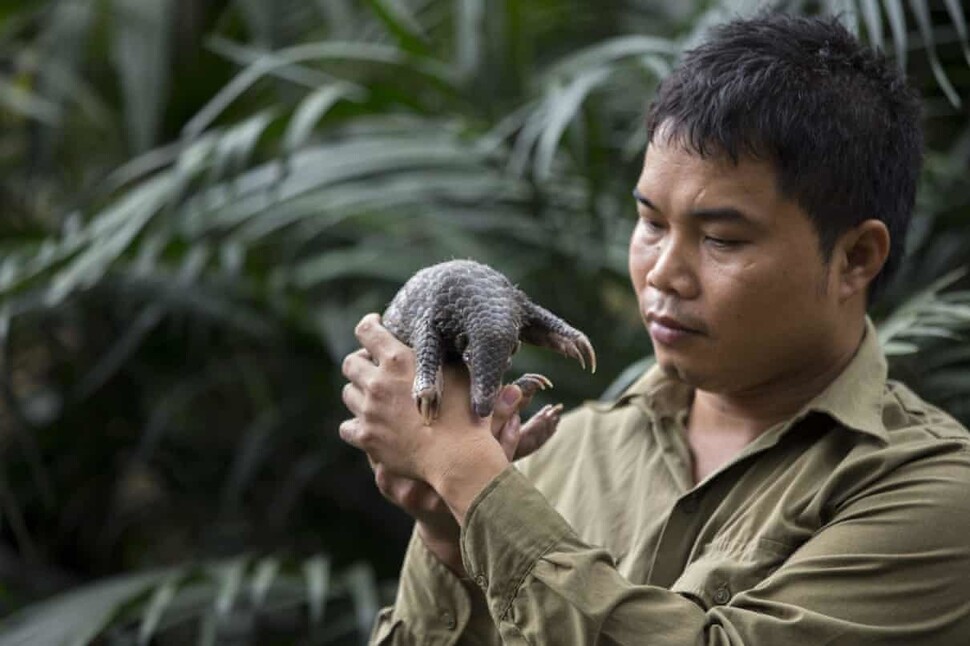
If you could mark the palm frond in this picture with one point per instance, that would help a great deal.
(927, 314)
(209, 597)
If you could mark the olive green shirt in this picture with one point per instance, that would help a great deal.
(847, 524)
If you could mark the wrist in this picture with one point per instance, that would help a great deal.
(466, 473)
(443, 544)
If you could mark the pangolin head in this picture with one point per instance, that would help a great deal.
(487, 357)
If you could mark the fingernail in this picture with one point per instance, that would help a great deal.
(510, 396)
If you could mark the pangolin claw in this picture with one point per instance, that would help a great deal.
(531, 382)
(537, 431)
(428, 401)
(582, 350)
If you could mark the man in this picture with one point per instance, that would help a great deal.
(764, 484)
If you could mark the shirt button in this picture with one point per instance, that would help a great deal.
(481, 581)
(449, 620)
(722, 595)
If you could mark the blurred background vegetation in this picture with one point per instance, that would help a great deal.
(199, 199)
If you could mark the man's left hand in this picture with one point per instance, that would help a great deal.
(457, 455)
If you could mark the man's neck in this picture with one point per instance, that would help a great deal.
(745, 415)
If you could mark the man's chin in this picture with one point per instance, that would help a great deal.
(682, 372)
(672, 370)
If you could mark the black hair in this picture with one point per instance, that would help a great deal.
(835, 118)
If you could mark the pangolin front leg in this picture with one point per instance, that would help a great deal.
(541, 426)
(428, 375)
(543, 328)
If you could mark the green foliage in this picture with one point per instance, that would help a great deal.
(258, 600)
(202, 198)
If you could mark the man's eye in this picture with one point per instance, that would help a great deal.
(723, 243)
(652, 226)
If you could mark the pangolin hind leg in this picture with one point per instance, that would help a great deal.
(428, 375)
(545, 329)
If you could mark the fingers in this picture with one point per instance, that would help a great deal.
(386, 350)
(358, 366)
(350, 433)
(537, 431)
(508, 436)
(415, 497)
(353, 398)
(506, 405)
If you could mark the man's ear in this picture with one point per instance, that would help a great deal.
(862, 252)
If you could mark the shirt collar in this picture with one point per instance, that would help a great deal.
(854, 398)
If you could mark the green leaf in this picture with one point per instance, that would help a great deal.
(609, 51)
(392, 265)
(470, 24)
(114, 231)
(161, 599)
(562, 108)
(17, 99)
(959, 20)
(251, 452)
(316, 570)
(264, 574)
(142, 33)
(897, 25)
(261, 18)
(209, 630)
(361, 584)
(230, 579)
(236, 145)
(312, 109)
(872, 15)
(402, 24)
(265, 63)
(75, 618)
(922, 12)
(847, 13)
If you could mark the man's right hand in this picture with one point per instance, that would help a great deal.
(434, 523)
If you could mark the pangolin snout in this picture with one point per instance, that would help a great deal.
(484, 407)
(487, 361)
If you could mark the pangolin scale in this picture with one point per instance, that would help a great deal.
(465, 311)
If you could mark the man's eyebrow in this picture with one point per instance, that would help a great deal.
(642, 199)
(720, 214)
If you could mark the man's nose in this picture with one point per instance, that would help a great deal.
(674, 271)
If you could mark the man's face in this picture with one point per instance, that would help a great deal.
(728, 273)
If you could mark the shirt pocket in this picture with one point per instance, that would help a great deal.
(725, 569)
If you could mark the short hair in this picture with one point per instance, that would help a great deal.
(835, 118)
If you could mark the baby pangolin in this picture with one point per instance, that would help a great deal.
(465, 311)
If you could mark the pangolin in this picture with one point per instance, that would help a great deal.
(465, 311)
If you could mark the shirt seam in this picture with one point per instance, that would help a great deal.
(520, 580)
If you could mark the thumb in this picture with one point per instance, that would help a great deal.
(506, 405)
(508, 436)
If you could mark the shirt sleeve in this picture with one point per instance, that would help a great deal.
(433, 606)
(891, 567)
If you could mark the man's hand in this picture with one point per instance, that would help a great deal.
(434, 523)
(386, 423)
(389, 372)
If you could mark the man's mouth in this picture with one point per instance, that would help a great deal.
(667, 330)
